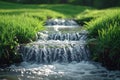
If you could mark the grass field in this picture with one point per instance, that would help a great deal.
(104, 29)
(64, 9)
(31, 18)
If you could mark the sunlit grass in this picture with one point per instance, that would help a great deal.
(105, 28)
(89, 15)
(103, 21)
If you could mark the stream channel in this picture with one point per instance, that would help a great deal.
(59, 53)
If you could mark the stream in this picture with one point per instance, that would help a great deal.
(59, 53)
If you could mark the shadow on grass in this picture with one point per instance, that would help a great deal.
(66, 9)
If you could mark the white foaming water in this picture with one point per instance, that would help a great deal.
(70, 36)
(84, 70)
(55, 51)
(57, 24)
(57, 71)
(57, 27)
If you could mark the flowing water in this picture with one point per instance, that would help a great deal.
(59, 53)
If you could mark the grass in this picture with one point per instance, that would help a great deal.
(15, 30)
(105, 29)
(103, 21)
(65, 9)
(93, 14)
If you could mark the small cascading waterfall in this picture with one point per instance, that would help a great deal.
(56, 51)
(57, 46)
(61, 22)
(58, 55)
(74, 36)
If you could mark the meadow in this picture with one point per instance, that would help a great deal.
(19, 24)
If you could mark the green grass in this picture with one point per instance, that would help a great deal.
(102, 21)
(93, 14)
(105, 29)
(14, 15)
(15, 30)
(65, 9)
(19, 18)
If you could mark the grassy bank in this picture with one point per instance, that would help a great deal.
(104, 32)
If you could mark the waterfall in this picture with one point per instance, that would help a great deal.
(59, 54)
(60, 51)
(57, 46)
(73, 36)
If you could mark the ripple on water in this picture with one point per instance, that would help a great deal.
(56, 71)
